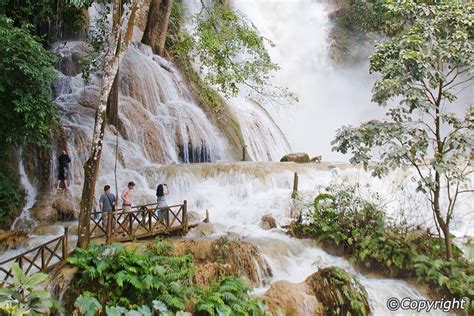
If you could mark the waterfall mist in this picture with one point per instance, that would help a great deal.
(329, 96)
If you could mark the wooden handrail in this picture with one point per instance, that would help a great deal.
(31, 250)
(141, 222)
(40, 253)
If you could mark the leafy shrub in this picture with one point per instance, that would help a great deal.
(230, 296)
(340, 292)
(364, 16)
(11, 197)
(23, 297)
(359, 226)
(128, 278)
(152, 281)
(455, 277)
(25, 87)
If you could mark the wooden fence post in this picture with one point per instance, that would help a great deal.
(65, 243)
(108, 235)
(150, 214)
(295, 186)
(185, 216)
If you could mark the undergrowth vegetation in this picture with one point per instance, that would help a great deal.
(341, 218)
(153, 281)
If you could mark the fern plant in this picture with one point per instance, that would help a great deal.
(230, 296)
(23, 297)
(128, 278)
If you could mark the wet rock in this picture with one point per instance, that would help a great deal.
(339, 292)
(44, 230)
(285, 298)
(330, 291)
(193, 217)
(90, 97)
(268, 222)
(237, 257)
(43, 211)
(12, 239)
(52, 208)
(59, 285)
(296, 157)
(65, 209)
(208, 272)
(203, 230)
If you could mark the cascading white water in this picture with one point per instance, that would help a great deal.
(329, 96)
(24, 221)
(263, 138)
(159, 121)
(237, 195)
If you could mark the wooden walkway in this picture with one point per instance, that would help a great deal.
(142, 221)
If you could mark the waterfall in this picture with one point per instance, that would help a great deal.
(159, 121)
(263, 138)
(329, 95)
(24, 221)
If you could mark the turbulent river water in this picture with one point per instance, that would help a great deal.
(159, 118)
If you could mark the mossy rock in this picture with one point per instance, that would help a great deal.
(296, 157)
(339, 292)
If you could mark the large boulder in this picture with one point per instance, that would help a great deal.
(50, 209)
(286, 298)
(228, 257)
(268, 222)
(202, 230)
(12, 239)
(330, 291)
(296, 157)
(65, 209)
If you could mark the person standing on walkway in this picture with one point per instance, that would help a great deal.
(63, 171)
(127, 197)
(107, 203)
(162, 206)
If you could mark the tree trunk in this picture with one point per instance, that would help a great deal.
(112, 103)
(157, 25)
(119, 43)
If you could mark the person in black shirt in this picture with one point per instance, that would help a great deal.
(63, 173)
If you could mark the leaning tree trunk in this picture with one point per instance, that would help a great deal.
(122, 29)
(157, 25)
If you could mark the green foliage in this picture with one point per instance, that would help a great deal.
(98, 41)
(87, 304)
(422, 131)
(358, 225)
(35, 16)
(228, 297)
(364, 16)
(128, 278)
(155, 280)
(341, 293)
(25, 87)
(11, 197)
(23, 297)
(229, 50)
(455, 277)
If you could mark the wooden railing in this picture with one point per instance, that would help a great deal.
(37, 259)
(142, 221)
